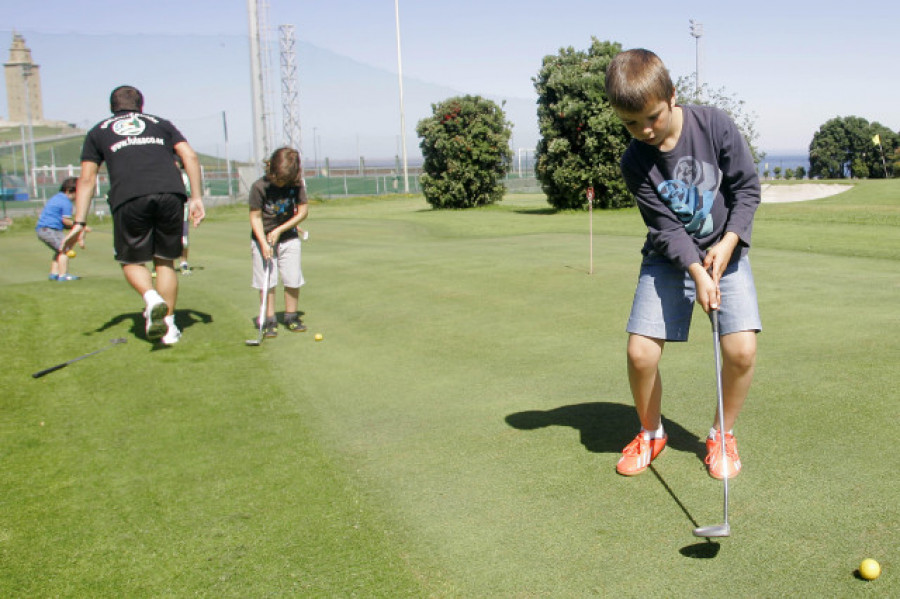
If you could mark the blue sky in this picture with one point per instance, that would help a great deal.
(795, 65)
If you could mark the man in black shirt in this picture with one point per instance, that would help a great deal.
(146, 197)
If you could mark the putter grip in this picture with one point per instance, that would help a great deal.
(41, 373)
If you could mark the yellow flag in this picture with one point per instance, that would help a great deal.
(876, 140)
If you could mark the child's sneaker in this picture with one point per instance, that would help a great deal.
(172, 336)
(714, 456)
(271, 329)
(638, 454)
(52, 277)
(155, 314)
(67, 277)
(296, 326)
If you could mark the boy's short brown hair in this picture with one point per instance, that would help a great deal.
(635, 78)
(283, 168)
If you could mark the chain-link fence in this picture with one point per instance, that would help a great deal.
(221, 186)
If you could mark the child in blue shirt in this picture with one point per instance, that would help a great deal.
(55, 218)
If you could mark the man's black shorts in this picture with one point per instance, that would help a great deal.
(149, 227)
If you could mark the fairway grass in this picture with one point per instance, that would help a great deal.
(455, 432)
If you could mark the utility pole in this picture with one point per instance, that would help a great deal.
(257, 88)
(402, 114)
(696, 33)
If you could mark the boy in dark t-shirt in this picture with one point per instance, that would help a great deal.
(278, 204)
(695, 183)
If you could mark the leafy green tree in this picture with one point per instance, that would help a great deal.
(800, 172)
(845, 147)
(687, 93)
(465, 146)
(777, 171)
(788, 173)
(582, 140)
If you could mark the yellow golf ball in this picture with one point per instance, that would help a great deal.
(869, 569)
(71, 254)
(319, 336)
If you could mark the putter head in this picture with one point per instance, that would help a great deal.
(716, 530)
(119, 340)
(253, 342)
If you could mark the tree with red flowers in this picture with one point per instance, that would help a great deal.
(465, 146)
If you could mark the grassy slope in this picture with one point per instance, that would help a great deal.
(455, 433)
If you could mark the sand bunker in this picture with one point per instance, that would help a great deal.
(800, 192)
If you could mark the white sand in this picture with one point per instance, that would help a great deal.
(800, 192)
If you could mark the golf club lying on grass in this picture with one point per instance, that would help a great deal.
(113, 343)
(718, 530)
(262, 307)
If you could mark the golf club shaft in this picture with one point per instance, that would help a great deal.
(263, 304)
(264, 298)
(721, 408)
(62, 365)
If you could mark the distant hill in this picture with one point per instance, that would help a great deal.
(58, 146)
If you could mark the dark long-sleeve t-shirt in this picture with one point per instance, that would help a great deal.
(690, 196)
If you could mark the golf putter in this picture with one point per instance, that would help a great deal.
(262, 307)
(718, 530)
(113, 343)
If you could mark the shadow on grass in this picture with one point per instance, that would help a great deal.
(537, 211)
(183, 319)
(606, 428)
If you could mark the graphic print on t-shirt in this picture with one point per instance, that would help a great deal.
(691, 193)
(129, 126)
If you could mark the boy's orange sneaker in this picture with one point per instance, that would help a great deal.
(714, 456)
(638, 454)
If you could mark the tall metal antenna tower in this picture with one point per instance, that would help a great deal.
(290, 113)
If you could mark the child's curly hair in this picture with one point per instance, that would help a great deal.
(283, 168)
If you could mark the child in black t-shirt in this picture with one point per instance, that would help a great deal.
(278, 203)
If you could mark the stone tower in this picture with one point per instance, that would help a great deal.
(21, 71)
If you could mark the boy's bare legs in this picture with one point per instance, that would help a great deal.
(738, 365)
(60, 265)
(291, 299)
(270, 304)
(644, 354)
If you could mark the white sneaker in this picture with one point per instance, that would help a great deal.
(155, 325)
(173, 335)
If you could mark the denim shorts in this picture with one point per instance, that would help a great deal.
(665, 296)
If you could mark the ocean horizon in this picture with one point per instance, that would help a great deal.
(784, 162)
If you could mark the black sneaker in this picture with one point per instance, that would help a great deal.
(296, 326)
(270, 330)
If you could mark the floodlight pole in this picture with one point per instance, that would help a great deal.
(257, 90)
(402, 113)
(696, 33)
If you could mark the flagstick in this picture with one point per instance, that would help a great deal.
(590, 198)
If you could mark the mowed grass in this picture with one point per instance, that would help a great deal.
(456, 431)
